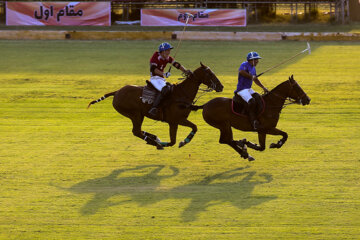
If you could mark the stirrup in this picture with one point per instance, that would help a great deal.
(256, 125)
(153, 111)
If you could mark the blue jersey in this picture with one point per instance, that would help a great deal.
(243, 82)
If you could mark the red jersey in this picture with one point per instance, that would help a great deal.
(159, 62)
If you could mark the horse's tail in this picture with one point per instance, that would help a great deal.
(102, 98)
(195, 107)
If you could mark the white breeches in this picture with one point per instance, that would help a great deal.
(246, 94)
(158, 82)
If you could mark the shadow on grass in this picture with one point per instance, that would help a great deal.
(134, 182)
(142, 185)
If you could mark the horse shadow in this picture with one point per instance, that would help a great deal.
(234, 186)
(142, 185)
(121, 182)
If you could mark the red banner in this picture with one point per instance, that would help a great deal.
(193, 17)
(58, 13)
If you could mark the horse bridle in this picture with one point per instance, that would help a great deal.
(209, 88)
(291, 101)
(213, 84)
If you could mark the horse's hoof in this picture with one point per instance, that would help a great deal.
(181, 144)
(273, 145)
(159, 147)
(250, 158)
(245, 155)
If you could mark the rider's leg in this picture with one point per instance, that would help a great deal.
(164, 92)
(246, 95)
(159, 83)
(252, 114)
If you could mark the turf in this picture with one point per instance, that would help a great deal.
(71, 173)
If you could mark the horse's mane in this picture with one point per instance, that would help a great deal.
(185, 79)
(279, 86)
(275, 89)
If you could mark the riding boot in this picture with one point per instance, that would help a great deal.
(164, 92)
(252, 114)
(154, 109)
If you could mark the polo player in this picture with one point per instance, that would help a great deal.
(158, 62)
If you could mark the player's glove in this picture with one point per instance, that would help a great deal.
(167, 74)
(188, 73)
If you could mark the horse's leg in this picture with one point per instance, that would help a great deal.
(148, 137)
(281, 142)
(261, 147)
(151, 136)
(193, 127)
(226, 137)
(173, 130)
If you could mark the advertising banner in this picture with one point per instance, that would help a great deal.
(198, 17)
(58, 13)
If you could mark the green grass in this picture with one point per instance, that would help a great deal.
(71, 173)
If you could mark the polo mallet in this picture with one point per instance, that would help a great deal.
(188, 15)
(308, 49)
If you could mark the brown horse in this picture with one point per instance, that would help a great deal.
(127, 101)
(218, 113)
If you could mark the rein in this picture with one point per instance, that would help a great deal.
(204, 91)
(208, 89)
(290, 101)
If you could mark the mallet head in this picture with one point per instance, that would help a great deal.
(188, 15)
(308, 47)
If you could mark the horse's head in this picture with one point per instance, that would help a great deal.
(207, 77)
(297, 93)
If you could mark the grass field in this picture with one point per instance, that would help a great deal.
(71, 173)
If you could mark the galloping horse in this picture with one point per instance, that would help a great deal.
(127, 101)
(218, 113)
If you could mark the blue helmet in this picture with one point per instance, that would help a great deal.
(165, 46)
(253, 55)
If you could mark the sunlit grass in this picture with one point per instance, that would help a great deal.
(71, 173)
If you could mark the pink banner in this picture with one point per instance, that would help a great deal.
(58, 13)
(198, 17)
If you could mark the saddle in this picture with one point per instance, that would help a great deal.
(240, 107)
(150, 93)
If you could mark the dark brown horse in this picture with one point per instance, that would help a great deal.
(218, 113)
(127, 101)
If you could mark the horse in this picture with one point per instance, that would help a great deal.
(128, 101)
(219, 114)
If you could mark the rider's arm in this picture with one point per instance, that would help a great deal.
(158, 72)
(155, 71)
(257, 81)
(245, 74)
(254, 78)
(179, 66)
(182, 68)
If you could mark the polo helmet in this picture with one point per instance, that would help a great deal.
(253, 55)
(165, 46)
